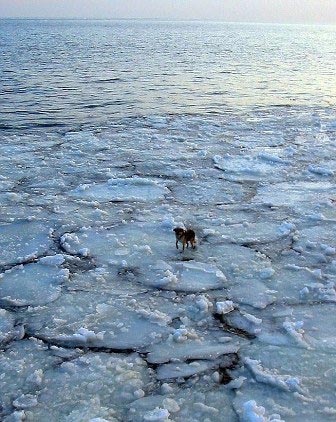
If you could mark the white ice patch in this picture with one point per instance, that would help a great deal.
(224, 307)
(254, 413)
(283, 382)
(244, 321)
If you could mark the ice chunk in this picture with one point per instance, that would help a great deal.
(283, 382)
(252, 292)
(224, 307)
(54, 260)
(321, 171)
(31, 284)
(243, 321)
(184, 370)
(197, 401)
(166, 352)
(254, 413)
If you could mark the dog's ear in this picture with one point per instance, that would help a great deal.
(175, 230)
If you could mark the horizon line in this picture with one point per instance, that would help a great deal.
(158, 19)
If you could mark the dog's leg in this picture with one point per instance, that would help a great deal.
(177, 244)
(184, 243)
(193, 244)
(187, 244)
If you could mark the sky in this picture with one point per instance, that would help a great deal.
(283, 11)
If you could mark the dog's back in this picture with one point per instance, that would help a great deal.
(190, 236)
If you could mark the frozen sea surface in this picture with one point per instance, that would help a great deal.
(103, 319)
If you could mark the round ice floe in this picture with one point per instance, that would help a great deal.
(128, 190)
(23, 241)
(136, 243)
(147, 249)
(31, 284)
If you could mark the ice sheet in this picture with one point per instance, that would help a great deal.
(103, 319)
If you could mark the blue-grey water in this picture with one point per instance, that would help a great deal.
(86, 73)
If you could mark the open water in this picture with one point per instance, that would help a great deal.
(85, 73)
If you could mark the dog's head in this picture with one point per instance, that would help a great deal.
(179, 232)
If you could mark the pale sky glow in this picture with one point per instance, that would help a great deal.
(286, 11)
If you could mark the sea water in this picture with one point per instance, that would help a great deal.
(112, 134)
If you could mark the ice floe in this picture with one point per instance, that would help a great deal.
(32, 284)
(23, 240)
(135, 189)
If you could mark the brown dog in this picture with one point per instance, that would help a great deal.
(185, 236)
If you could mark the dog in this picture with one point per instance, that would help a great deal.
(185, 236)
